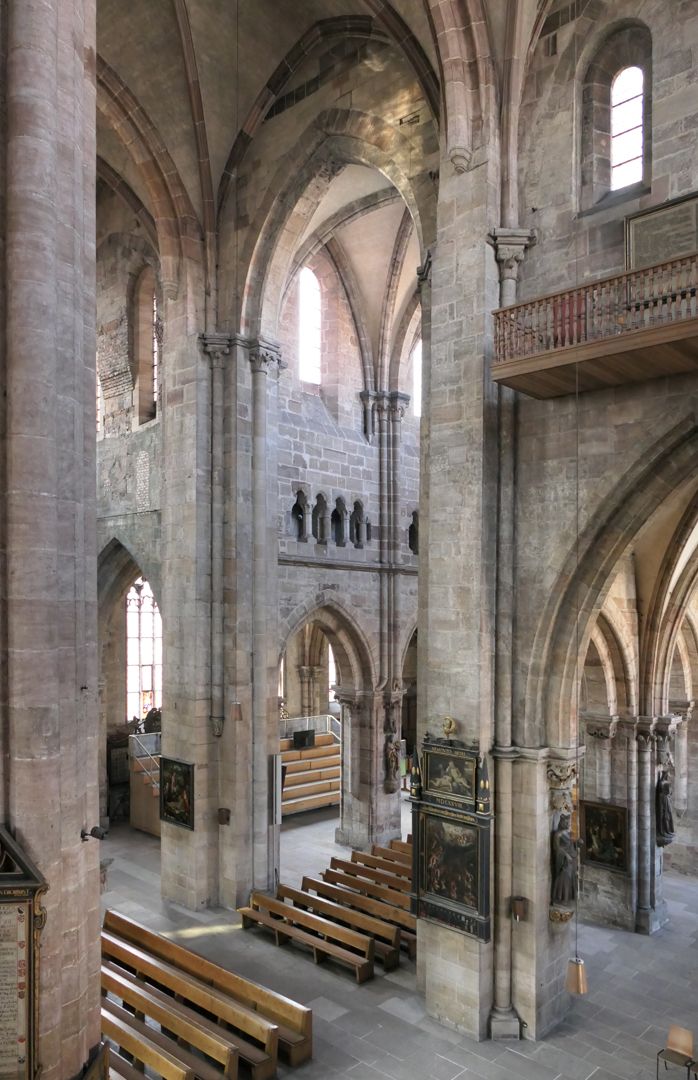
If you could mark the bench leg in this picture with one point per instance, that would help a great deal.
(281, 938)
(364, 972)
(319, 956)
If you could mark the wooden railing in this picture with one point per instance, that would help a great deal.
(635, 300)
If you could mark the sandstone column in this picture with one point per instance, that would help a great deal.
(458, 560)
(510, 246)
(645, 831)
(265, 359)
(49, 770)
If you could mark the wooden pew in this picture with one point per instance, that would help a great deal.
(386, 936)
(119, 1066)
(260, 1053)
(404, 848)
(175, 1018)
(294, 1021)
(379, 877)
(406, 922)
(397, 869)
(351, 875)
(392, 856)
(143, 1048)
(325, 938)
(201, 1069)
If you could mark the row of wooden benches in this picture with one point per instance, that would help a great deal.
(186, 1018)
(357, 911)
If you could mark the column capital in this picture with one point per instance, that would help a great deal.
(398, 403)
(510, 246)
(644, 732)
(600, 726)
(265, 355)
(562, 774)
(216, 346)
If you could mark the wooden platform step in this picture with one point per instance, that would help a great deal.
(311, 776)
(330, 761)
(309, 754)
(313, 802)
(302, 791)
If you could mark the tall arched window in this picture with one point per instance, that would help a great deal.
(627, 128)
(143, 651)
(616, 119)
(309, 326)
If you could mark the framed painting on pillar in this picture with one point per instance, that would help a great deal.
(604, 835)
(452, 869)
(177, 792)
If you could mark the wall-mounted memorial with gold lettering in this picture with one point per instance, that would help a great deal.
(21, 922)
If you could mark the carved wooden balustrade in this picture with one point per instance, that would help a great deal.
(589, 320)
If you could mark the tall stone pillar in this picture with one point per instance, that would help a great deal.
(644, 920)
(457, 570)
(265, 359)
(49, 730)
(510, 246)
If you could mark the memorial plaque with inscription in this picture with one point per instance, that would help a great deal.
(662, 233)
(21, 922)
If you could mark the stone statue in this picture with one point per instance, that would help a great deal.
(564, 863)
(392, 765)
(663, 810)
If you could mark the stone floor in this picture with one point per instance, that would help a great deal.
(638, 985)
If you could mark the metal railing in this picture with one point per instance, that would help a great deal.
(147, 746)
(322, 724)
(636, 300)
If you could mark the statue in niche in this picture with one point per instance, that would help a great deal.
(564, 863)
(663, 810)
(392, 765)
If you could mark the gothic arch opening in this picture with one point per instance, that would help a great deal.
(130, 692)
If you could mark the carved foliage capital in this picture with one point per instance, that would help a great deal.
(264, 355)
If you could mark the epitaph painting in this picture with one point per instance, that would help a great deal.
(604, 834)
(451, 851)
(177, 792)
(450, 774)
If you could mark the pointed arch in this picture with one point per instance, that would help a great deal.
(334, 138)
(117, 568)
(585, 578)
(178, 228)
(386, 26)
(340, 626)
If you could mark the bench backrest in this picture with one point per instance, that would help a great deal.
(332, 931)
(377, 877)
(143, 1049)
(275, 1006)
(391, 855)
(349, 874)
(402, 846)
(191, 989)
(365, 924)
(370, 904)
(392, 869)
(216, 1046)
